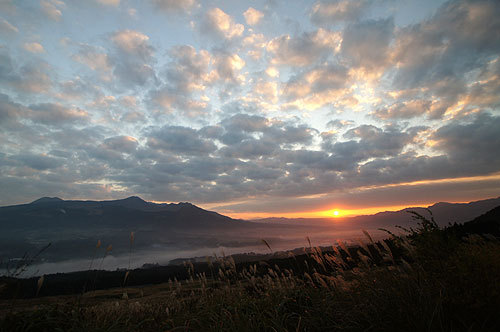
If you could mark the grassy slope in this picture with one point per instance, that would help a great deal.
(431, 280)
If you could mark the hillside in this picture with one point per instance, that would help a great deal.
(164, 232)
(433, 279)
(443, 212)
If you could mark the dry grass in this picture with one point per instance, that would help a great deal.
(424, 281)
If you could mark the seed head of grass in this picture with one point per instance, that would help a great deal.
(367, 235)
(267, 245)
(39, 284)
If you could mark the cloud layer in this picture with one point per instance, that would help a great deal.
(240, 107)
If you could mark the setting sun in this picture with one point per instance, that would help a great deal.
(336, 213)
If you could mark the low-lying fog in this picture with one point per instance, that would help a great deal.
(162, 253)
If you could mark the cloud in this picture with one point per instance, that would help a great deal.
(398, 195)
(52, 8)
(76, 89)
(366, 142)
(328, 110)
(220, 24)
(133, 43)
(255, 45)
(32, 77)
(189, 69)
(366, 44)
(228, 65)
(404, 110)
(34, 47)
(39, 162)
(7, 28)
(317, 80)
(96, 59)
(56, 114)
(191, 73)
(175, 6)
(268, 91)
(169, 100)
(290, 134)
(116, 152)
(319, 86)
(250, 149)
(304, 49)
(134, 59)
(333, 12)
(470, 145)
(182, 140)
(253, 16)
(440, 54)
(10, 111)
(241, 130)
(338, 124)
(114, 3)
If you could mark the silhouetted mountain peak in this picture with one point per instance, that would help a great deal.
(134, 199)
(47, 200)
(132, 202)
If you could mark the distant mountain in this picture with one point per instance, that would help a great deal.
(487, 223)
(47, 200)
(132, 211)
(444, 213)
(74, 227)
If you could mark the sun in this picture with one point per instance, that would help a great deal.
(335, 213)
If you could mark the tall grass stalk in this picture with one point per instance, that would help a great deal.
(97, 246)
(109, 248)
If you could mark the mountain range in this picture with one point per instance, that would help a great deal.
(443, 212)
(73, 228)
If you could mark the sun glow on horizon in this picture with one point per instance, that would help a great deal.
(334, 214)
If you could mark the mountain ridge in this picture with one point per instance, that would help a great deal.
(73, 227)
(461, 214)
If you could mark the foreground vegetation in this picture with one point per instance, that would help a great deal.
(427, 280)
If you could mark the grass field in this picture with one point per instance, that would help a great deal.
(427, 280)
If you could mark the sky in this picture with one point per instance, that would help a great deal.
(251, 108)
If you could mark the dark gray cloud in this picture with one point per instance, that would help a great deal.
(30, 77)
(250, 149)
(245, 123)
(9, 111)
(170, 101)
(185, 76)
(315, 81)
(441, 53)
(331, 12)
(188, 69)
(133, 58)
(124, 144)
(471, 145)
(338, 124)
(304, 49)
(218, 24)
(56, 114)
(366, 43)
(402, 195)
(182, 140)
(38, 161)
(174, 6)
(404, 110)
(366, 142)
